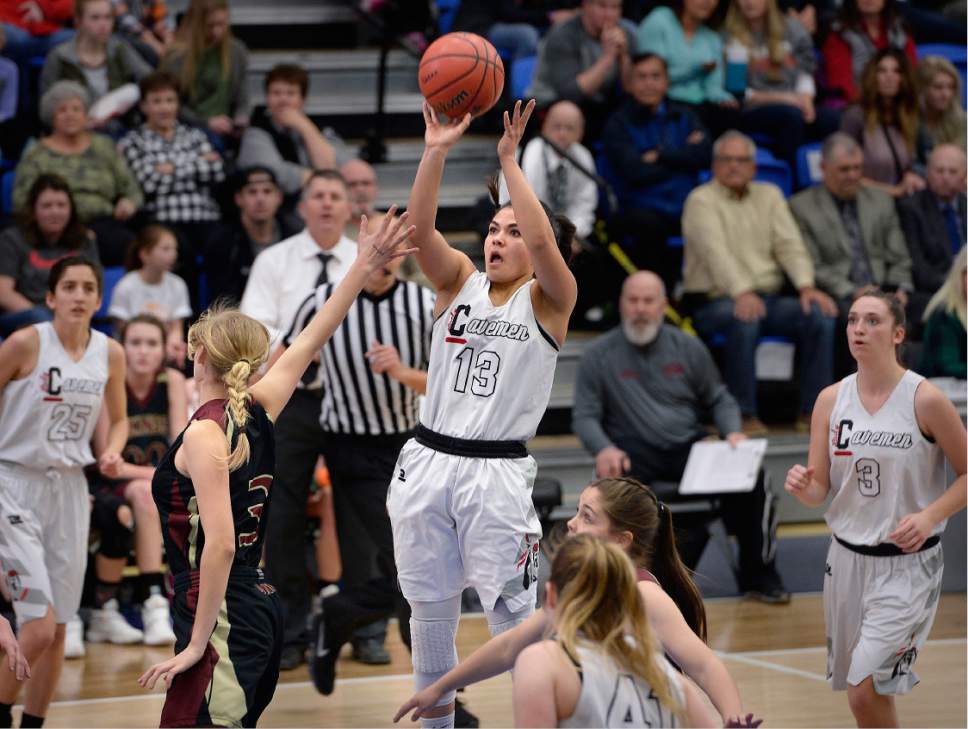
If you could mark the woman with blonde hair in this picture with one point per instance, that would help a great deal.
(601, 665)
(941, 112)
(886, 124)
(211, 66)
(944, 353)
(212, 488)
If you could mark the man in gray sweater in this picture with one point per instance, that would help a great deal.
(643, 392)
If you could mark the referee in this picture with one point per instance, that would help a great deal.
(372, 371)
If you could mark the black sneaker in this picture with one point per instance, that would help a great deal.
(769, 588)
(371, 651)
(463, 718)
(322, 656)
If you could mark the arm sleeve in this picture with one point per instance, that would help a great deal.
(896, 253)
(715, 82)
(689, 157)
(926, 277)
(181, 307)
(28, 170)
(588, 410)
(144, 165)
(624, 158)
(788, 247)
(651, 35)
(581, 209)
(703, 232)
(241, 104)
(57, 11)
(305, 312)
(127, 184)
(823, 275)
(803, 51)
(260, 300)
(532, 166)
(257, 148)
(207, 171)
(562, 63)
(120, 307)
(713, 395)
(136, 65)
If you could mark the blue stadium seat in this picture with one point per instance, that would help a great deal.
(6, 193)
(522, 71)
(808, 165)
(446, 12)
(957, 54)
(112, 274)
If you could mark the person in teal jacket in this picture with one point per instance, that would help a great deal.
(944, 352)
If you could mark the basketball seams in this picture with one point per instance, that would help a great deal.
(463, 91)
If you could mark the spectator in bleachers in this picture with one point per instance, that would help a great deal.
(49, 229)
(9, 83)
(554, 179)
(933, 219)
(655, 147)
(102, 63)
(741, 243)
(33, 28)
(643, 395)
(853, 234)
(886, 124)
(941, 112)
(234, 244)
(944, 352)
(779, 63)
(513, 26)
(146, 25)
(281, 279)
(176, 167)
(363, 190)
(281, 136)
(123, 507)
(862, 28)
(150, 287)
(586, 60)
(105, 192)
(211, 66)
(693, 53)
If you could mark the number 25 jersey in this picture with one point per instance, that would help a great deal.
(882, 468)
(491, 367)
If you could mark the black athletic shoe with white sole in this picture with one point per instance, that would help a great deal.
(322, 656)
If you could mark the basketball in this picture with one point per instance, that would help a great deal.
(461, 73)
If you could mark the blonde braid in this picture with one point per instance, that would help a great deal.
(237, 385)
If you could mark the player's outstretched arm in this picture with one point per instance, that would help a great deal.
(446, 268)
(494, 657)
(810, 484)
(556, 283)
(378, 244)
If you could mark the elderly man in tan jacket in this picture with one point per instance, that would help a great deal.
(748, 274)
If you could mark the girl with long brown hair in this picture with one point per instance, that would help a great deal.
(626, 512)
(886, 124)
(602, 664)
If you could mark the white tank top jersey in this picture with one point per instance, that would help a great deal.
(612, 697)
(47, 418)
(882, 468)
(491, 367)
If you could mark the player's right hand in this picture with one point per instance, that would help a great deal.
(421, 701)
(612, 462)
(16, 661)
(798, 478)
(443, 135)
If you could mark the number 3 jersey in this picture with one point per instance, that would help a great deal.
(249, 487)
(47, 418)
(491, 367)
(882, 467)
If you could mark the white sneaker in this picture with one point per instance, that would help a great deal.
(74, 638)
(157, 621)
(109, 626)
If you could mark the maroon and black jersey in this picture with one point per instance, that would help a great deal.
(249, 488)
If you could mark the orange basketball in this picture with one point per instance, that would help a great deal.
(460, 73)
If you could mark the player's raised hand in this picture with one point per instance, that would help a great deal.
(514, 125)
(440, 134)
(379, 244)
(798, 478)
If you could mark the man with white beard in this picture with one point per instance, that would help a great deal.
(644, 391)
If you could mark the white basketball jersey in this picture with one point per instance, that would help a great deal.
(491, 367)
(613, 697)
(47, 418)
(882, 468)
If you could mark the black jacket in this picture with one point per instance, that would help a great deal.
(927, 238)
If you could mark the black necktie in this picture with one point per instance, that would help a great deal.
(309, 376)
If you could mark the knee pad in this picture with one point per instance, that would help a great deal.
(500, 619)
(433, 633)
(116, 538)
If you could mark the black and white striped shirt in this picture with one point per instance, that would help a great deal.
(356, 400)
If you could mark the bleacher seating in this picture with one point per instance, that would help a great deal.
(447, 11)
(808, 165)
(522, 71)
(112, 274)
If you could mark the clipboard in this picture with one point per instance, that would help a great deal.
(715, 467)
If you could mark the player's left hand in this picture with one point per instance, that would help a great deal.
(9, 645)
(380, 244)
(110, 464)
(912, 531)
(167, 670)
(514, 130)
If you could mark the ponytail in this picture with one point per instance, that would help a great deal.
(236, 408)
(673, 575)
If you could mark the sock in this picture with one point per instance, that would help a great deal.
(150, 584)
(104, 591)
(6, 719)
(441, 722)
(29, 720)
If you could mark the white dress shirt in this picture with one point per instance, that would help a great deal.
(283, 276)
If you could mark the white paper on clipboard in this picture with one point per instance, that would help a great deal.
(715, 467)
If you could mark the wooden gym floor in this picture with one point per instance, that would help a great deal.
(775, 654)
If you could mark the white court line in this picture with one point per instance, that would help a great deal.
(748, 657)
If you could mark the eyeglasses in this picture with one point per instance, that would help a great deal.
(734, 159)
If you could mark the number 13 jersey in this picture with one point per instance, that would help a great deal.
(882, 467)
(491, 367)
(48, 417)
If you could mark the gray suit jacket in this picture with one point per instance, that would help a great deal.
(823, 230)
